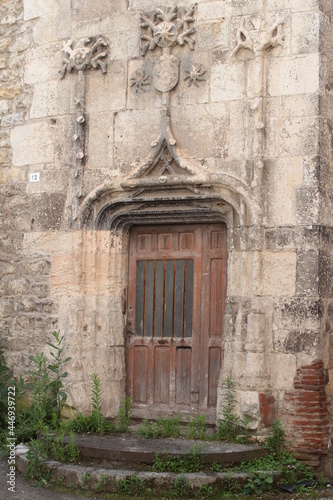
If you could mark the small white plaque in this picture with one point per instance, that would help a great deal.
(34, 177)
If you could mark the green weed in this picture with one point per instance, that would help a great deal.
(124, 415)
(196, 427)
(193, 461)
(131, 486)
(102, 484)
(258, 483)
(181, 488)
(162, 428)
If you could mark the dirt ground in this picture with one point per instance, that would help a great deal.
(25, 490)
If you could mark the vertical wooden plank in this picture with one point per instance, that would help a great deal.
(140, 277)
(188, 313)
(161, 374)
(179, 299)
(183, 375)
(149, 299)
(214, 366)
(140, 374)
(216, 298)
(159, 297)
(168, 306)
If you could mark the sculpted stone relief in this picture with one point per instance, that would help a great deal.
(166, 28)
(256, 36)
(163, 28)
(82, 54)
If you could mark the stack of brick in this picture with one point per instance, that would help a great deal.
(307, 413)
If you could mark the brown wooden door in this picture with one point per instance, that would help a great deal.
(176, 296)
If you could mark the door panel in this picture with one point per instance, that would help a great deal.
(176, 293)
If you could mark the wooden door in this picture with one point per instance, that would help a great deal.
(176, 295)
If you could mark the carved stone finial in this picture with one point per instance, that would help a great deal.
(82, 54)
(166, 28)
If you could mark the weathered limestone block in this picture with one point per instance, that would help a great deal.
(300, 312)
(42, 64)
(292, 76)
(47, 242)
(214, 32)
(299, 136)
(325, 273)
(242, 7)
(36, 8)
(307, 273)
(106, 88)
(47, 211)
(283, 369)
(83, 11)
(305, 30)
(52, 98)
(297, 341)
(201, 126)
(101, 133)
(248, 406)
(210, 11)
(256, 332)
(282, 177)
(53, 27)
(51, 179)
(308, 205)
(134, 133)
(227, 82)
(272, 281)
(255, 372)
(32, 143)
(65, 278)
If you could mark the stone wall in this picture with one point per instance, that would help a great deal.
(27, 312)
(245, 111)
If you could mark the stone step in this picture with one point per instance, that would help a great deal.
(92, 477)
(134, 449)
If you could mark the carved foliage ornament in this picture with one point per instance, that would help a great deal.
(259, 36)
(166, 28)
(82, 54)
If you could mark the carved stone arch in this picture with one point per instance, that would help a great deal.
(180, 191)
(178, 194)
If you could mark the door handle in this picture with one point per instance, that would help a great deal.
(162, 341)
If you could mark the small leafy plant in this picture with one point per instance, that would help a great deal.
(162, 428)
(205, 491)
(196, 427)
(258, 483)
(102, 484)
(124, 415)
(181, 488)
(95, 421)
(193, 461)
(130, 486)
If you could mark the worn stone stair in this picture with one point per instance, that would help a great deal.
(117, 457)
